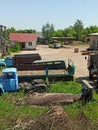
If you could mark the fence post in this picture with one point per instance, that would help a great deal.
(46, 75)
(87, 91)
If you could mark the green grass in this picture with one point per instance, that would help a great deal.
(11, 114)
(65, 87)
(90, 109)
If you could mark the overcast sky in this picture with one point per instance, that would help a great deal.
(32, 14)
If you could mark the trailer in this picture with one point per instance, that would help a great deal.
(50, 70)
(20, 61)
(32, 66)
(24, 62)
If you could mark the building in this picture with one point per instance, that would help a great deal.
(26, 40)
(65, 40)
(93, 41)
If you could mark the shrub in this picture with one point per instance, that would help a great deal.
(16, 48)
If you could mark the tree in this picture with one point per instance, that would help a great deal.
(27, 31)
(8, 31)
(47, 31)
(69, 32)
(58, 33)
(78, 26)
(93, 29)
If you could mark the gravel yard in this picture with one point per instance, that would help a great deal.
(64, 53)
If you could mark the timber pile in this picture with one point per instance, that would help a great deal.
(88, 52)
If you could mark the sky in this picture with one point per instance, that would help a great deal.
(33, 14)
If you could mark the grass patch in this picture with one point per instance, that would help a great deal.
(90, 109)
(65, 87)
(11, 114)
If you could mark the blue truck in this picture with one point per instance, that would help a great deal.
(9, 80)
(7, 62)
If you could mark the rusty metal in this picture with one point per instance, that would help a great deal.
(25, 61)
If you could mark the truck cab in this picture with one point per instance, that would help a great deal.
(9, 80)
(7, 62)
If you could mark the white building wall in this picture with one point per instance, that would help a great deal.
(30, 45)
(11, 42)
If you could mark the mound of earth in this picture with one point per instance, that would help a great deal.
(55, 118)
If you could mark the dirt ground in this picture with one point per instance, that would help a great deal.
(55, 118)
(67, 52)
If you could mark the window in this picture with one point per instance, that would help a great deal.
(30, 43)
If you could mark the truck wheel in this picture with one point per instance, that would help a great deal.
(40, 88)
(1, 92)
(90, 74)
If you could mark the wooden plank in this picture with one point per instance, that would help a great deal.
(85, 82)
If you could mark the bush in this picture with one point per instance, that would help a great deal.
(16, 48)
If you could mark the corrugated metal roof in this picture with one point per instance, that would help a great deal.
(23, 37)
(93, 34)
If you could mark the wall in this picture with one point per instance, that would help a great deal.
(30, 45)
(94, 42)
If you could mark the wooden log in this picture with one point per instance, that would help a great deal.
(48, 98)
(85, 82)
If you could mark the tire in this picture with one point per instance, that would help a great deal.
(90, 74)
(40, 88)
(1, 92)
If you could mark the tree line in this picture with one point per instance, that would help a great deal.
(48, 31)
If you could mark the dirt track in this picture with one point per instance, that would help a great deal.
(64, 53)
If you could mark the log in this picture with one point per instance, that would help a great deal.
(87, 84)
(49, 98)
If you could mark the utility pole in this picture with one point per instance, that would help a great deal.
(3, 43)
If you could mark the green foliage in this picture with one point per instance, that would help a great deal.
(77, 31)
(27, 31)
(16, 48)
(47, 31)
(78, 26)
(69, 32)
(8, 31)
(58, 33)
